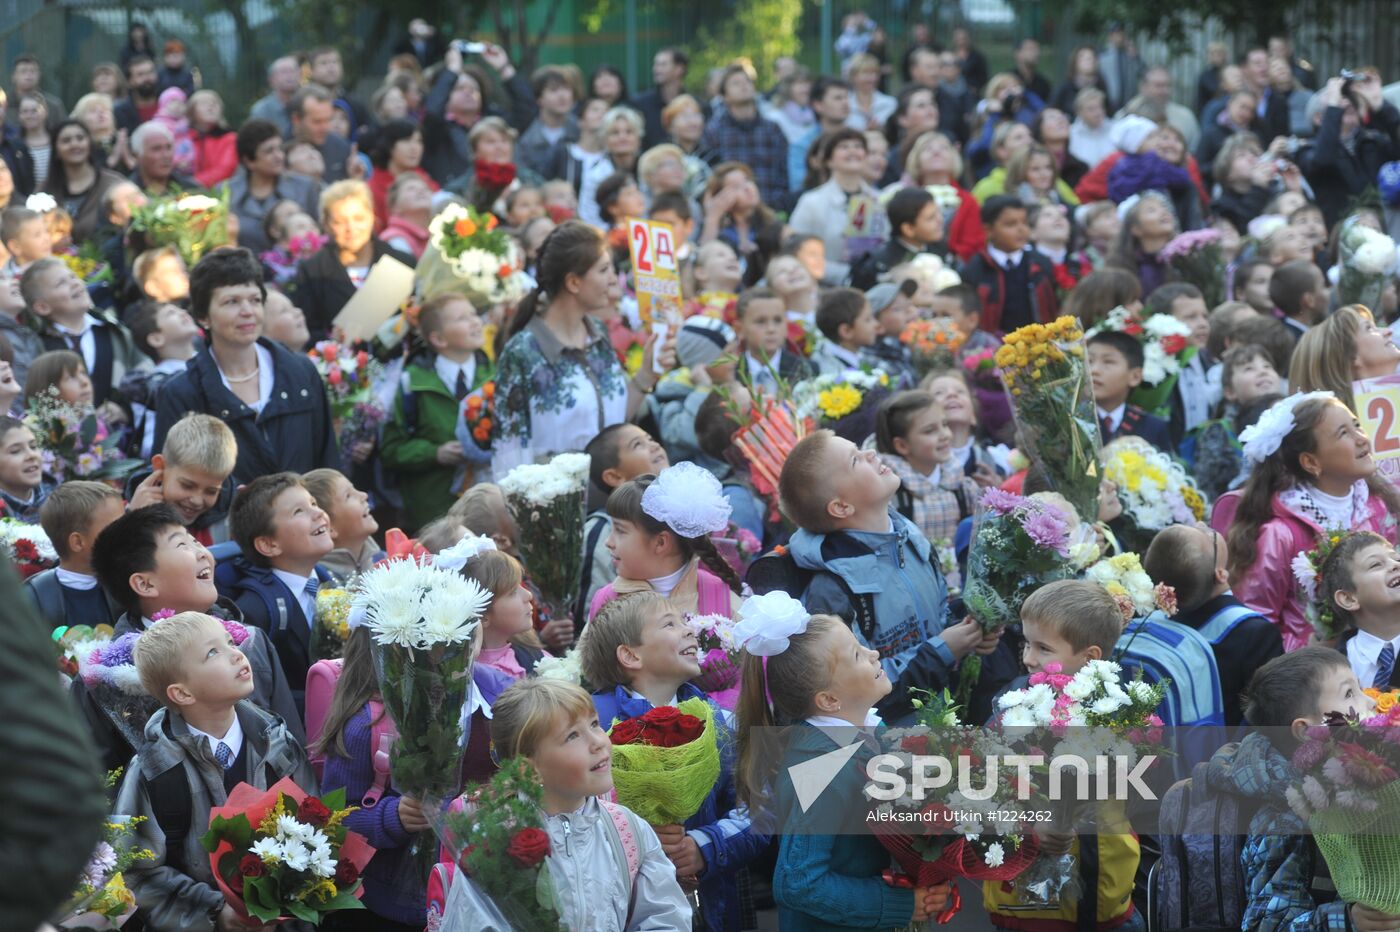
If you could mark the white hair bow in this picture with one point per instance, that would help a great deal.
(1262, 439)
(687, 499)
(768, 622)
(465, 550)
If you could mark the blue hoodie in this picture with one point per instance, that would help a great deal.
(895, 570)
(720, 828)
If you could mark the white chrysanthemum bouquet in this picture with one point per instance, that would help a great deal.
(547, 502)
(1367, 259)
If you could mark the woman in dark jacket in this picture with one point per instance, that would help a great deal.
(271, 398)
(331, 275)
(458, 98)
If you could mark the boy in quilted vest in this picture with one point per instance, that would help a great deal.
(638, 654)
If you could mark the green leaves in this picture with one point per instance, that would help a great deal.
(235, 831)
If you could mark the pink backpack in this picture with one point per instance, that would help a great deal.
(445, 871)
(320, 688)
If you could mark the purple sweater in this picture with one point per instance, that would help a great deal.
(391, 889)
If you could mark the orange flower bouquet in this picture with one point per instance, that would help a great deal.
(468, 253)
(933, 344)
(476, 423)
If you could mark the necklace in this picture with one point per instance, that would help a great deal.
(240, 379)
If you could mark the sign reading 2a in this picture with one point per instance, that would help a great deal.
(1378, 409)
(655, 273)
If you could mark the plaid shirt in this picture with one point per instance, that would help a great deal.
(1281, 872)
(936, 509)
(758, 143)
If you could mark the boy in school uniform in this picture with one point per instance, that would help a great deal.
(420, 441)
(620, 453)
(26, 238)
(205, 741)
(166, 333)
(1115, 369)
(893, 311)
(847, 321)
(68, 320)
(1194, 561)
(1015, 283)
(1300, 296)
(916, 228)
(282, 535)
(763, 335)
(1356, 584)
(1194, 396)
(872, 566)
(193, 473)
(73, 517)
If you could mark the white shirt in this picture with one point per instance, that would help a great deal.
(1056, 256)
(760, 373)
(297, 584)
(447, 370)
(1114, 417)
(839, 730)
(846, 356)
(71, 580)
(233, 738)
(1337, 508)
(1195, 389)
(1003, 258)
(87, 343)
(665, 585)
(266, 375)
(1364, 654)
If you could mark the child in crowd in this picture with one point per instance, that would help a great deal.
(1100, 222)
(871, 566)
(618, 198)
(810, 673)
(893, 311)
(1311, 222)
(305, 159)
(284, 322)
(161, 275)
(523, 204)
(68, 320)
(762, 329)
(508, 641)
(715, 427)
(912, 435)
(706, 348)
(1355, 584)
(799, 291)
(1284, 244)
(420, 441)
(148, 563)
(554, 726)
(1194, 560)
(193, 473)
(410, 203)
(1194, 395)
(638, 654)
(1115, 362)
(660, 542)
(282, 537)
(1015, 283)
(620, 453)
(26, 238)
(560, 200)
(1312, 474)
(204, 742)
(24, 342)
(717, 276)
(24, 486)
(294, 236)
(166, 333)
(962, 405)
(1069, 623)
(916, 227)
(1299, 293)
(847, 321)
(74, 515)
(1214, 450)
(351, 521)
(1251, 284)
(1051, 236)
(1287, 880)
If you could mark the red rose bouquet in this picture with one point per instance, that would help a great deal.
(28, 547)
(666, 762)
(282, 853)
(496, 836)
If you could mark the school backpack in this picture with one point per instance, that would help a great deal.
(624, 840)
(1199, 881)
(777, 571)
(320, 688)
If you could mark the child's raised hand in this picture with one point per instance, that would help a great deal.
(411, 815)
(930, 901)
(150, 491)
(962, 637)
(1366, 919)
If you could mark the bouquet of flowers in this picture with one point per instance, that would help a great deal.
(282, 853)
(1154, 488)
(76, 442)
(282, 262)
(195, 224)
(1196, 258)
(770, 430)
(360, 425)
(332, 627)
(69, 639)
(101, 898)
(1131, 587)
(846, 403)
(468, 253)
(27, 546)
(665, 763)
(568, 668)
(1164, 351)
(1019, 545)
(547, 502)
(1367, 259)
(1042, 366)
(1307, 571)
(476, 423)
(496, 836)
(738, 546)
(87, 264)
(933, 344)
(347, 375)
(1349, 796)
(720, 661)
(110, 677)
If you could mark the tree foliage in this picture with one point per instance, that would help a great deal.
(1175, 21)
(761, 32)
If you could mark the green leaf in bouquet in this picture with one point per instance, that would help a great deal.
(87, 430)
(235, 831)
(300, 910)
(344, 899)
(261, 899)
(334, 800)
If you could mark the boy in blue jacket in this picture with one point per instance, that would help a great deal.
(638, 654)
(872, 567)
(283, 534)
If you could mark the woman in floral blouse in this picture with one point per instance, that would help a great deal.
(558, 381)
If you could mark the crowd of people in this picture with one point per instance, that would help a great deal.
(821, 221)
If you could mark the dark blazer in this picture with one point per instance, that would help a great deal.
(322, 286)
(294, 431)
(983, 273)
(1138, 423)
(1394, 671)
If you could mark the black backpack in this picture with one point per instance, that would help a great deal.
(777, 571)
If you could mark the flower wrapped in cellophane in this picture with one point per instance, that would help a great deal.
(495, 839)
(1367, 260)
(1155, 490)
(1165, 349)
(932, 344)
(845, 402)
(76, 443)
(346, 374)
(547, 502)
(666, 762)
(470, 254)
(768, 431)
(1197, 258)
(194, 224)
(720, 662)
(110, 678)
(281, 853)
(101, 898)
(27, 546)
(1042, 366)
(332, 626)
(1131, 587)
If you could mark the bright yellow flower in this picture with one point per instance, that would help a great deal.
(838, 401)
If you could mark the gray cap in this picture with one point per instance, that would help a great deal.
(702, 340)
(883, 295)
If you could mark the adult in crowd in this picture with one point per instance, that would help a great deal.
(138, 43)
(970, 59)
(544, 146)
(398, 148)
(684, 122)
(1239, 116)
(739, 134)
(215, 148)
(142, 94)
(457, 99)
(1281, 48)
(831, 105)
(1155, 92)
(283, 79)
(934, 160)
(790, 105)
(175, 68)
(331, 276)
(422, 41)
(845, 211)
(15, 156)
(26, 79)
(1356, 134)
(271, 398)
(107, 78)
(622, 131)
(311, 109)
(558, 381)
(262, 183)
(1285, 104)
(153, 145)
(328, 70)
(495, 171)
(109, 146)
(607, 83)
(1082, 73)
(1027, 61)
(76, 179)
(34, 133)
(669, 68)
(1208, 82)
(1051, 129)
(1120, 66)
(870, 107)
